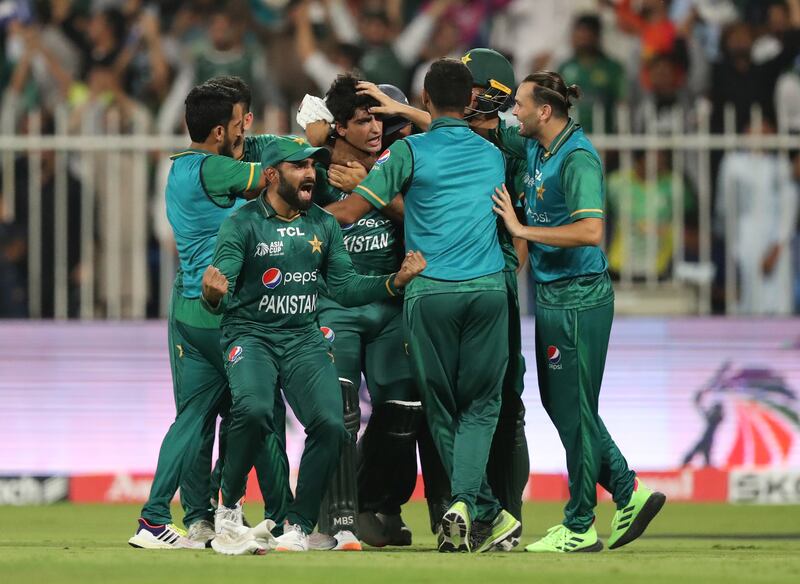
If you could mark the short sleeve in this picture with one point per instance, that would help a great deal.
(388, 176)
(224, 178)
(254, 146)
(582, 182)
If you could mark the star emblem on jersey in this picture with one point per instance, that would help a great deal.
(180, 351)
(300, 141)
(540, 192)
(316, 245)
(466, 59)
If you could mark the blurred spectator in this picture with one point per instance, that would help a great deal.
(756, 210)
(651, 204)
(704, 20)
(769, 44)
(446, 42)
(13, 255)
(658, 34)
(601, 79)
(388, 54)
(787, 99)
(323, 64)
(535, 32)
(736, 80)
(224, 51)
(666, 99)
(14, 264)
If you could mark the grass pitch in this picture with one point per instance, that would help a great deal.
(686, 543)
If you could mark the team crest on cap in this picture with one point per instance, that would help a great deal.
(235, 355)
(383, 157)
(328, 333)
(272, 278)
(554, 357)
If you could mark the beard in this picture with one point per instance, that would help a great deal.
(227, 147)
(292, 194)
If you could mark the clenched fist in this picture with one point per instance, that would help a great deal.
(215, 285)
(412, 266)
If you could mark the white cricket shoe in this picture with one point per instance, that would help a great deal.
(321, 542)
(346, 541)
(238, 540)
(202, 532)
(293, 539)
(223, 514)
(162, 537)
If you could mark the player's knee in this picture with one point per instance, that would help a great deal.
(331, 427)
(251, 412)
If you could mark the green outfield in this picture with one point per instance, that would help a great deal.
(687, 543)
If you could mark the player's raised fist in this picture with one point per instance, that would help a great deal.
(215, 285)
(412, 266)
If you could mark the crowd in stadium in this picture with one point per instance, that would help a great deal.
(139, 59)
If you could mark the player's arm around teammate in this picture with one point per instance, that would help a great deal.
(574, 310)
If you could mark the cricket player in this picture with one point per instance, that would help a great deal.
(574, 308)
(458, 307)
(509, 467)
(205, 185)
(368, 339)
(270, 260)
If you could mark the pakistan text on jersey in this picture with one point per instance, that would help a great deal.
(291, 304)
(360, 243)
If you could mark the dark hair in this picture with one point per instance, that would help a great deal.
(238, 86)
(116, 22)
(449, 85)
(590, 21)
(551, 90)
(207, 106)
(343, 100)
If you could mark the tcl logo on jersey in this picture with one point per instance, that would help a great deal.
(290, 231)
(273, 278)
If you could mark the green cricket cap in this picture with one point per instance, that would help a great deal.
(292, 149)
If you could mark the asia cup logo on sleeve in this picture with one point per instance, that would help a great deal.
(328, 333)
(272, 278)
(383, 157)
(553, 357)
(235, 355)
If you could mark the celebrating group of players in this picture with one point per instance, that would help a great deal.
(365, 248)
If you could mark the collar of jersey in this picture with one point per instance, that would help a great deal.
(189, 151)
(270, 212)
(445, 121)
(559, 140)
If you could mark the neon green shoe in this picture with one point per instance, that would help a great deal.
(631, 521)
(560, 539)
(502, 527)
(456, 527)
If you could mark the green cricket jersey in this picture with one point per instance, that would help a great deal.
(202, 191)
(516, 177)
(447, 176)
(372, 241)
(273, 266)
(567, 186)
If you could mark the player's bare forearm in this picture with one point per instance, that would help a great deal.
(521, 247)
(583, 232)
(395, 210)
(349, 210)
